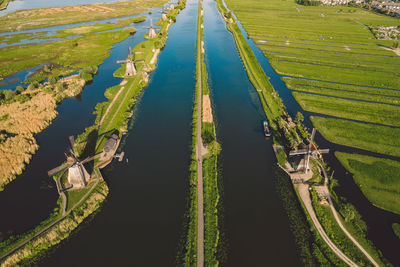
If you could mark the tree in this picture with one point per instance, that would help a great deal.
(299, 117)
(61, 86)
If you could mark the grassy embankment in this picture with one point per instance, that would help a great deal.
(52, 16)
(86, 201)
(305, 250)
(340, 50)
(378, 179)
(210, 168)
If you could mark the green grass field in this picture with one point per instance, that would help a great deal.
(376, 138)
(343, 108)
(88, 50)
(378, 179)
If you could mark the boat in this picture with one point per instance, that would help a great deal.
(267, 133)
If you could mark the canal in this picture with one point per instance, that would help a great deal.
(32, 196)
(379, 221)
(140, 223)
(256, 225)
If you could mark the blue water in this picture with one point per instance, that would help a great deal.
(75, 114)
(256, 225)
(140, 223)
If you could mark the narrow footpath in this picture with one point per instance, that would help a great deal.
(200, 197)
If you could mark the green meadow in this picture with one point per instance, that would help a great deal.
(378, 179)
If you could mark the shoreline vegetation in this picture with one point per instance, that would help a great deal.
(81, 203)
(25, 19)
(312, 249)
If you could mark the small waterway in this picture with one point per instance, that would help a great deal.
(379, 221)
(140, 223)
(256, 225)
(32, 196)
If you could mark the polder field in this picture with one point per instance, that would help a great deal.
(338, 71)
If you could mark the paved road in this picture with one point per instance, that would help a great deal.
(200, 199)
(305, 197)
(339, 222)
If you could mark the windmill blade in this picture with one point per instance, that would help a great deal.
(71, 140)
(58, 169)
(89, 159)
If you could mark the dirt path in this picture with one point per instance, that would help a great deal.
(339, 222)
(200, 197)
(111, 104)
(305, 197)
(207, 113)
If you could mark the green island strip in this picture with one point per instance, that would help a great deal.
(345, 91)
(396, 229)
(210, 167)
(99, 27)
(76, 205)
(25, 19)
(313, 249)
(371, 137)
(344, 108)
(189, 257)
(378, 179)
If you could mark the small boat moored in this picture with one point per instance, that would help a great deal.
(267, 133)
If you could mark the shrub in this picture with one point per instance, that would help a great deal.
(61, 87)
(19, 89)
(53, 80)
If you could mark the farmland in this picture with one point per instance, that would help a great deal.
(334, 66)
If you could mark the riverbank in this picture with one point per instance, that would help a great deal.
(116, 119)
(283, 141)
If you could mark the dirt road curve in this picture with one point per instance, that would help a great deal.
(305, 197)
(200, 199)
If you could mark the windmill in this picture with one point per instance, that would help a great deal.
(311, 149)
(152, 30)
(164, 15)
(130, 64)
(78, 177)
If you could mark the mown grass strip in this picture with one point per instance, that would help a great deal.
(375, 138)
(343, 108)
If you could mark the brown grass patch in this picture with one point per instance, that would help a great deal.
(207, 113)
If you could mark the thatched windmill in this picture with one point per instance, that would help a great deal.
(152, 30)
(130, 64)
(309, 151)
(78, 177)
